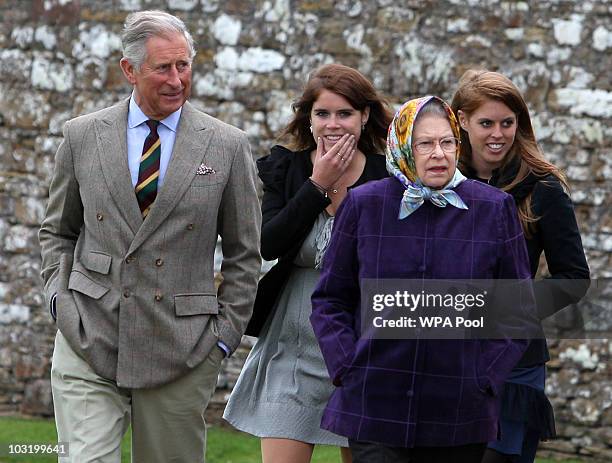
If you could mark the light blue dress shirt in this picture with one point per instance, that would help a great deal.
(137, 132)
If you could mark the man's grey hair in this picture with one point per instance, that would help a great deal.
(142, 25)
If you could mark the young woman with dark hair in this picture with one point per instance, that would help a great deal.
(336, 139)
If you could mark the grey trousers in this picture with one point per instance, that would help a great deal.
(92, 414)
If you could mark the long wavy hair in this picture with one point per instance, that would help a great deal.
(357, 90)
(475, 88)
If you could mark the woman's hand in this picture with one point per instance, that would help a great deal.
(329, 166)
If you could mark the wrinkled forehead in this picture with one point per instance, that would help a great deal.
(450, 115)
(164, 46)
(431, 126)
(405, 117)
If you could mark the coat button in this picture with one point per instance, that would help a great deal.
(126, 293)
(158, 297)
(409, 393)
(129, 259)
(422, 268)
(159, 262)
(99, 216)
(190, 226)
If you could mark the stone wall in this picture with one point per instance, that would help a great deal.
(59, 59)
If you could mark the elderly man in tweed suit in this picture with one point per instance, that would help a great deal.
(140, 192)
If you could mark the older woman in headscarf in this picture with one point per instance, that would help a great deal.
(417, 400)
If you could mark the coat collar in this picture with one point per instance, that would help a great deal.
(190, 147)
(111, 131)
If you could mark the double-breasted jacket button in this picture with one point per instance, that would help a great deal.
(100, 217)
(159, 297)
(159, 262)
(130, 259)
(126, 293)
(190, 226)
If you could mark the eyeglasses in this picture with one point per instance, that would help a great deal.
(448, 144)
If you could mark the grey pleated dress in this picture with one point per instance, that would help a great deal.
(284, 385)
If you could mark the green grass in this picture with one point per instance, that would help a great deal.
(224, 446)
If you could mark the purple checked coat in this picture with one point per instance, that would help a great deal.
(414, 393)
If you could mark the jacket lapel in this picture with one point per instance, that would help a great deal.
(112, 151)
(190, 146)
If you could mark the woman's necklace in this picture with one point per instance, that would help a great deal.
(334, 188)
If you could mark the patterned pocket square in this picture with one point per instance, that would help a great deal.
(205, 170)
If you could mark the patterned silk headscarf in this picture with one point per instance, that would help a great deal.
(400, 160)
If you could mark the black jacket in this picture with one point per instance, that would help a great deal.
(290, 207)
(556, 234)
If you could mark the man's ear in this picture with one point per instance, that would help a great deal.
(462, 120)
(128, 70)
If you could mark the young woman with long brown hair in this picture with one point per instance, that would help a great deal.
(498, 146)
(336, 140)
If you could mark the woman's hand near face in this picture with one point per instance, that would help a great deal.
(329, 166)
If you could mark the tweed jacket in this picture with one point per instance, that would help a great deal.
(136, 299)
(413, 393)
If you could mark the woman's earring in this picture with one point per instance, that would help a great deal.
(363, 124)
(311, 129)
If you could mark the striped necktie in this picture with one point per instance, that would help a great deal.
(148, 173)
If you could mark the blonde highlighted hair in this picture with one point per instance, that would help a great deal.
(475, 88)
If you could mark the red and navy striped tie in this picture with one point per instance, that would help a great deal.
(148, 173)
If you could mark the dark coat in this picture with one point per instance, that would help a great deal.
(412, 393)
(556, 234)
(291, 205)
